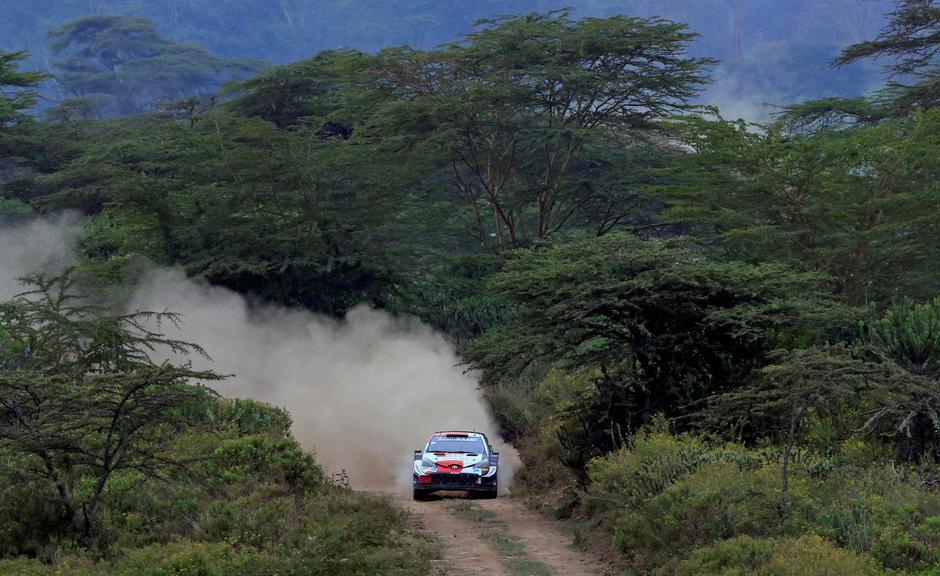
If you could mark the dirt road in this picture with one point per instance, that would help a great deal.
(498, 538)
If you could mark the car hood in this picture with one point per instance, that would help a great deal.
(464, 460)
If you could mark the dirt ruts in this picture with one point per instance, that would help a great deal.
(498, 538)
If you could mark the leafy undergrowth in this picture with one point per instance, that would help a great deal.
(675, 505)
(251, 503)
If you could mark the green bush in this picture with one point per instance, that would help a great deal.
(745, 556)
(716, 502)
(741, 556)
(328, 533)
(30, 519)
(650, 464)
(265, 457)
(666, 497)
(887, 512)
(814, 556)
(253, 417)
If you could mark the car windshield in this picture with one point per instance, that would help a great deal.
(456, 444)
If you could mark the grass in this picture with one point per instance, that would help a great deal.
(522, 567)
(468, 511)
(503, 543)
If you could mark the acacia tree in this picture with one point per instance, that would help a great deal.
(859, 205)
(656, 327)
(855, 384)
(911, 37)
(524, 106)
(80, 397)
(910, 43)
(886, 384)
(16, 88)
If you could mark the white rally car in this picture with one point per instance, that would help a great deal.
(456, 461)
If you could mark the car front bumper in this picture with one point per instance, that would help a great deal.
(462, 481)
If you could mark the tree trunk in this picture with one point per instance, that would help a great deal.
(783, 502)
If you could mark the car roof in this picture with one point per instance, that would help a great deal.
(461, 433)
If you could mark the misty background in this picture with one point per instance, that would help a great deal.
(771, 52)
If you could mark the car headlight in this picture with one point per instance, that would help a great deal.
(483, 466)
(427, 466)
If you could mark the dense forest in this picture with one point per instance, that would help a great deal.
(715, 344)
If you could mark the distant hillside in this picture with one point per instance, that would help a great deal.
(770, 53)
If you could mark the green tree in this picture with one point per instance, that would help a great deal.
(127, 66)
(661, 326)
(909, 334)
(859, 205)
(330, 89)
(912, 37)
(81, 399)
(910, 41)
(887, 384)
(525, 107)
(17, 89)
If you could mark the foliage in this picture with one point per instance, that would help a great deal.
(16, 88)
(910, 333)
(811, 556)
(350, 176)
(858, 205)
(532, 108)
(162, 477)
(284, 215)
(82, 398)
(912, 36)
(676, 504)
(910, 41)
(660, 326)
(313, 90)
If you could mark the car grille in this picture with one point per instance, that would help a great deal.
(454, 479)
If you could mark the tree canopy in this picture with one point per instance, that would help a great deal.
(17, 89)
(530, 109)
(81, 398)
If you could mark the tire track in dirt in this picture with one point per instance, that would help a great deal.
(466, 530)
(463, 551)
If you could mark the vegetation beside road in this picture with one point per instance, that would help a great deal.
(716, 345)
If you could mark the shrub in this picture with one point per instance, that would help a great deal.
(745, 556)
(253, 417)
(814, 556)
(884, 511)
(30, 519)
(716, 502)
(264, 457)
(741, 556)
(327, 533)
(651, 463)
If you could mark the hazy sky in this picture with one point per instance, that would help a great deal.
(772, 51)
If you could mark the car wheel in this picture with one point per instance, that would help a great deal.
(420, 494)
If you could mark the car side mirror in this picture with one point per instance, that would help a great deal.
(418, 454)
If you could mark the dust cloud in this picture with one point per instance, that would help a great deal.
(33, 247)
(363, 392)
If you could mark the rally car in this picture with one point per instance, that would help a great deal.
(456, 461)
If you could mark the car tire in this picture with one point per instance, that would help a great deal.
(419, 494)
(486, 495)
